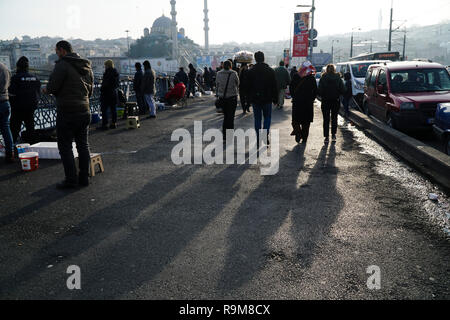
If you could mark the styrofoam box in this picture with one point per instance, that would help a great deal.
(50, 151)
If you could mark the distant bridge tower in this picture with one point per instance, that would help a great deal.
(174, 30)
(206, 26)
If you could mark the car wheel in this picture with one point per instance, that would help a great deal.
(391, 122)
(447, 145)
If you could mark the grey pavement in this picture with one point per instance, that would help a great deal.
(148, 229)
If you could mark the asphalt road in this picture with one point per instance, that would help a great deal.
(148, 229)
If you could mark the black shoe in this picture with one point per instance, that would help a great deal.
(83, 182)
(65, 185)
(327, 140)
(298, 138)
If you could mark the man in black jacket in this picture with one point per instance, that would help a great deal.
(25, 90)
(109, 97)
(71, 82)
(137, 87)
(182, 77)
(262, 92)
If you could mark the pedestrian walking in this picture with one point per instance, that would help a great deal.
(243, 88)
(137, 87)
(262, 92)
(331, 87)
(294, 71)
(212, 79)
(24, 94)
(5, 113)
(109, 96)
(283, 81)
(192, 77)
(303, 89)
(348, 94)
(149, 88)
(71, 82)
(206, 79)
(227, 91)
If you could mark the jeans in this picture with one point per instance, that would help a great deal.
(70, 127)
(260, 110)
(106, 109)
(151, 104)
(229, 112)
(141, 103)
(5, 113)
(330, 107)
(17, 118)
(281, 95)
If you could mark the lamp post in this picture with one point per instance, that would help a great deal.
(313, 10)
(351, 42)
(332, 49)
(129, 53)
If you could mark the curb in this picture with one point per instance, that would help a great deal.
(429, 161)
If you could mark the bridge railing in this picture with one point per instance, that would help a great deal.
(45, 115)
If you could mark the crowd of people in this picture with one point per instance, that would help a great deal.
(72, 83)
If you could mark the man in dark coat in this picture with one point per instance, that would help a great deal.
(243, 88)
(331, 87)
(109, 98)
(137, 87)
(262, 92)
(192, 77)
(71, 82)
(25, 90)
(303, 89)
(182, 76)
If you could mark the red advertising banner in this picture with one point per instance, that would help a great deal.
(301, 34)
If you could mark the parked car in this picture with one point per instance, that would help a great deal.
(358, 72)
(442, 125)
(406, 94)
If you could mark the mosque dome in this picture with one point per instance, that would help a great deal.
(162, 25)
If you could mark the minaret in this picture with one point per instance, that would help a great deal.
(174, 30)
(206, 27)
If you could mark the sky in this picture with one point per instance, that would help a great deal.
(231, 20)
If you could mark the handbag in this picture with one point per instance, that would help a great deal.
(221, 101)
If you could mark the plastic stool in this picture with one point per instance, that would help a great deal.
(133, 123)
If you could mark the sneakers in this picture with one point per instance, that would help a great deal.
(327, 140)
(334, 139)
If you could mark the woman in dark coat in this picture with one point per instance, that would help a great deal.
(303, 90)
(109, 98)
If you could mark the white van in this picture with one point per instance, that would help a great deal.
(358, 72)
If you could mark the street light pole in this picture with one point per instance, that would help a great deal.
(311, 49)
(390, 26)
(129, 53)
(332, 49)
(351, 42)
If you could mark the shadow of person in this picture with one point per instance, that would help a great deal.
(315, 208)
(257, 220)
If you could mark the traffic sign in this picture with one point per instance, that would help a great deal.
(313, 34)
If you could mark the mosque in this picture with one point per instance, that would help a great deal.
(164, 39)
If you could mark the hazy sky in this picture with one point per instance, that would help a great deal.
(231, 20)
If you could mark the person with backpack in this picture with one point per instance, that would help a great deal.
(148, 88)
(304, 92)
(72, 83)
(348, 93)
(262, 92)
(283, 81)
(331, 87)
(109, 96)
(24, 94)
(227, 91)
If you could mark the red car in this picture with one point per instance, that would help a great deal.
(406, 94)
